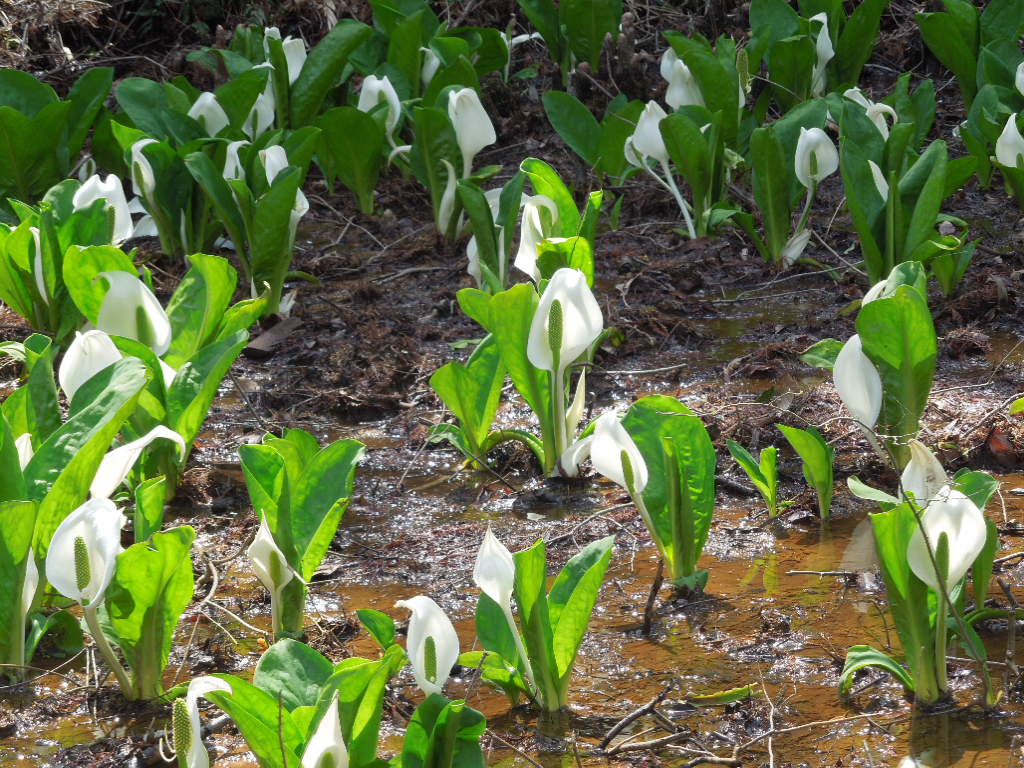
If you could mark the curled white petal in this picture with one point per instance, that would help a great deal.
(118, 462)
(429, 621)
(582, 321)
(98, 523)
(858, 383)
(90, 353)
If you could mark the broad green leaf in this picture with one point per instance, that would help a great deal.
(323, 68)
(586, 24)
(292, 673)
(571, 602)
(575, 124)
(17, 521)
(822, 354)
(473, 391)
(380, 626)
(351, 143)
(817, 456)
(264, 723)
(860, 656)
(197, 306)
(546, 181)
(443, 734)
(152, 586)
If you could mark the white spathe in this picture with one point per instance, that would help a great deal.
(824, 53)
(23, 445)
(98, 524)
(431, 63)
(1010, 144)
(611, 440)
(191, 743)
(29, 584)
(881, 185)
(876, 111)
(951, 513)
(233, 168)
(89, 353)
(534, 228)
(208, 112)
(473, 127)
(795, 247)
(1018, 79)
(379, 90)
(268, 561)
(117, 463)
(110, 189)
(495, 570)
(429, 621)
(581, 324)
(858, 383)
(131, 310)
(326, 747)
(646, 141)
(923, 476)
(295, 56)
(143, 177)
(683, 89)
(816, 157)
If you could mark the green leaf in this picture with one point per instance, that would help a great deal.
(954, 41)
(822, 354)
(264, 723)
(724, 698)
(81, 276)
(380, 626)
(571, 602)
(150, 497)
(586, 24)
(86, 96)
(198, 305)
(443, 734)
(899, 338)
(862, 490)
(575, 124)
(473, 391)
(292, 673)
(62, 469)
(860, 656)
(857, 41)
(152, 586)
(351, 143)
(817, 457)
(546, 181)
(17, 521)
(322, 69)
(771, 182)
(538, 631)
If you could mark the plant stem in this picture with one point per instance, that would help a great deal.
(520, 648)
(98, 637)
(670, 185)
(806, 213)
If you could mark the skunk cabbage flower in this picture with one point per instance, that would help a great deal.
(876, 111)
(881, 185)
(208, 112)
(431, 63)
(37, 266)
(567, 321)
(1010, 144)
(143, 177)
(110, 190)
(816, 157)
(29, 584)
(534, 228)
(261, 116)
(431, 644)
(824, 52)
(90, 353)
(131, 310)
(923, 476)
(446, 209)
(274, 161)
(326, 747)
(683, 89)
(117, 463)
(23, 445)
(294, 51)
(495, 570)
(377, 90)
(1018, 79)
(473, 127)
(795, 247)
(233, 168)
(858, 383)
(611, 442)
(952, 514)
(268, 561)
(646, 140)
(83, 552)
(874, 292)
(188, 740)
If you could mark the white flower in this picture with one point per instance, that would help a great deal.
(326, 747)
(208, 112)
(495, 570)
(876, 111)
(535, 227)
(268, 561)
(431, 63)
(295, 56)
(858, 383)
(131, 310)
(1010, 144)
(473, 127)
(1018, 79)
(90, 353)
(683, 88)
(23, 445)
(881, 185)
(431, 644)
(376, 90)
(950, 513)
(611, 441)
(110, 189)
(646, 140)
(83, 552)
(816, 157)
(117, 463)
(923, 476)
(568, 331)
(187, 731)
(795, 247)
(233, 168)
(143, 178)
(824, 52)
